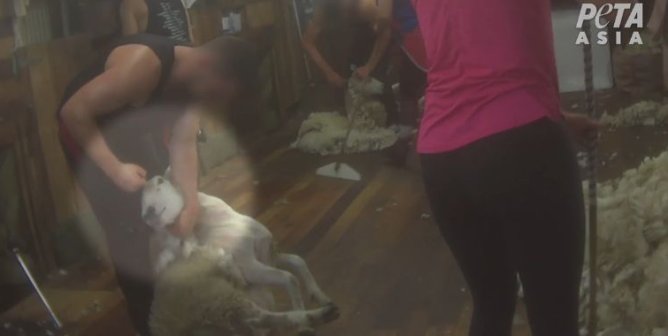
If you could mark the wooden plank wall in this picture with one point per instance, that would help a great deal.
(50, 67)
(11, 87)
(289, 70)
(17, 131)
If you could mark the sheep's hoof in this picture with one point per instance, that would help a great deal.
(320, 299)
(331, 313)
(254, 322)
(306, 332)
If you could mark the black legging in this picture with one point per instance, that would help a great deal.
(512, 204)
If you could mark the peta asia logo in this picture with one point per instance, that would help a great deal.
(617, 16)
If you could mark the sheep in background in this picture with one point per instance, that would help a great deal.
(324, 133)
(633, 253)
(361, 104)
(196, 295)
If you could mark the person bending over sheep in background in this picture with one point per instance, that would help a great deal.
(499, 169)
(366, 25)
(140, 88)
(371, 26)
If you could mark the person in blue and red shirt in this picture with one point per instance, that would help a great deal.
(373, 26)
(411, 61)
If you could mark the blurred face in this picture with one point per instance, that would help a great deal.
(209, 85)
(213, 87)
(348, 6)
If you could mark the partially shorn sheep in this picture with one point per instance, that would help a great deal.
(325, 133)
(194, 296)
(219, 278)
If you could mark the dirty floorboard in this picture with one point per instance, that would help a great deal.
(372, 245)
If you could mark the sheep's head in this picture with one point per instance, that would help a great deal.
(365, 87)
(161, 203)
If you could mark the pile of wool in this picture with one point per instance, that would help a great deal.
(643, 113)
(324, 133)
(632, 253)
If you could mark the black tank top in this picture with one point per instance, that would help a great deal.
(152, 118)
(161, 46)
(168, 18)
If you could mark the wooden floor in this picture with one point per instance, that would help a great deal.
(371, 244)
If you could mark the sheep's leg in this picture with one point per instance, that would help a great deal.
(164, 259)
(303, 320)
(260, 274)
(263, 297)
(297, 266)
(264, 246)
(189, 246)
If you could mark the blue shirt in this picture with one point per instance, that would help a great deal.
(404, 15)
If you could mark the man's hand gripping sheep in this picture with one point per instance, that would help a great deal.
(244, 252)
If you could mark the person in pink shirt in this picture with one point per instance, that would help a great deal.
(498, 164)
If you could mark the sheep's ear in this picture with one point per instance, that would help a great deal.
(168, 173)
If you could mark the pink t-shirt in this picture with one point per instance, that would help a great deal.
(491, 68)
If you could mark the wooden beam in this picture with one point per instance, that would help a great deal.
(50, 68)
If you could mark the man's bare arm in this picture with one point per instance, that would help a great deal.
(184, 167)
(384, 30)
(313, 30)
(130, 75)
(134, 16)
(380, 46)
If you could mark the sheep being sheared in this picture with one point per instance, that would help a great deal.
(361, 105)
(633, 252)
(325, 132)
(196, 295)
(244, 243)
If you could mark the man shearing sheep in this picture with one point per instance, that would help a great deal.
(144, 87)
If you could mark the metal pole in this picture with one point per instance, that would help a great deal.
(592, 194)
(301, 37)
(46, 303)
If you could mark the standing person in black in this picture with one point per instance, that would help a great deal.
(156, 17)
(131, 92)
